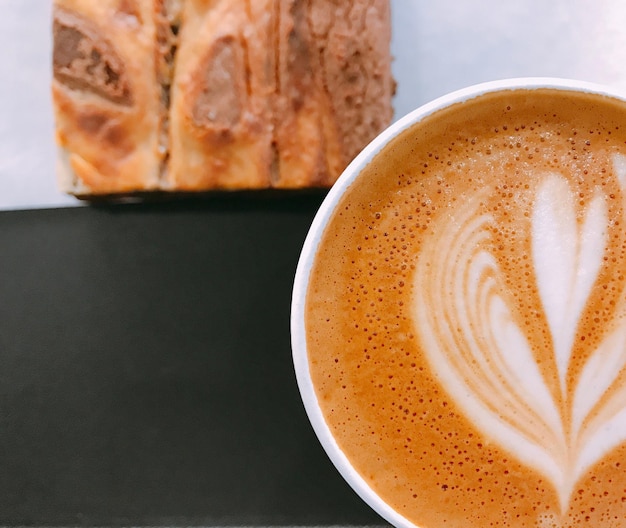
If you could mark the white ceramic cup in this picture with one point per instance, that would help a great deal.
(298, 336)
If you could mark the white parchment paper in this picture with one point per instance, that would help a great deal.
(439, 46)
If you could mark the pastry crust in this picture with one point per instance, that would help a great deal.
(335, 86)
(221, 124)
(106, 88)
(196, 95)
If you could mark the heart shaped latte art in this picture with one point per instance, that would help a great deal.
(482, 356)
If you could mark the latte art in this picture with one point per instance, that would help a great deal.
(479, 351)
(465, 315)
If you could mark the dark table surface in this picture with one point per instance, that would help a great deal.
(145, 368)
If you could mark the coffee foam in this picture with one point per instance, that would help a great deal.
(480, 352)
(461, 216)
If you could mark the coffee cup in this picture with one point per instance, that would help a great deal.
(459, 311)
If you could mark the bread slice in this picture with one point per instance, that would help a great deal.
(334, 86)
(196, 95)
(221, 113)
(110, 110)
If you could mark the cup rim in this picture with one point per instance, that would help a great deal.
(317, 228)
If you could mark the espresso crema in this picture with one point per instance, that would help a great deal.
(466, 315)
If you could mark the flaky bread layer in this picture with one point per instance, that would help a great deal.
(195, 95)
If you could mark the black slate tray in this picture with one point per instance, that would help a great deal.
(145, 368)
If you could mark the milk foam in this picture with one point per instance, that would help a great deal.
(477, 346)
(567, 259)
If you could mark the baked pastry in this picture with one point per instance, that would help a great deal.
(221, 117)
(193, 95)
(108, 67)
(334, 86)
